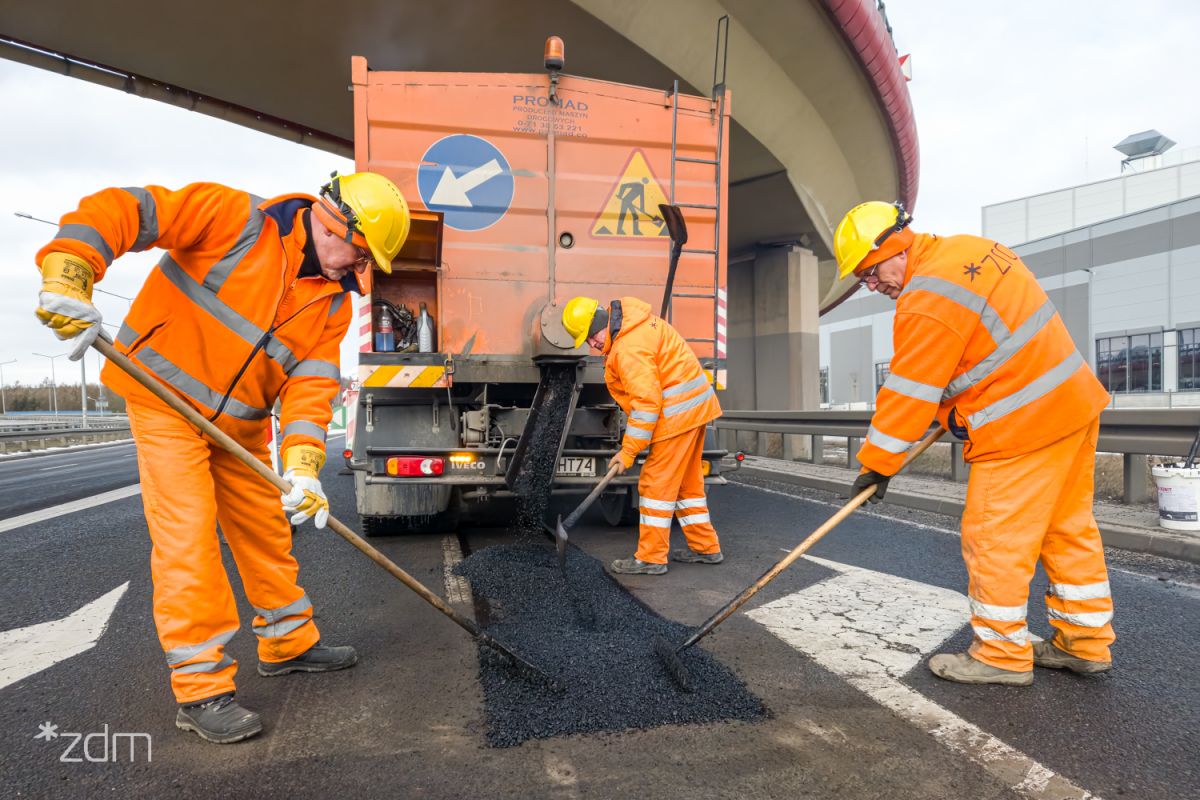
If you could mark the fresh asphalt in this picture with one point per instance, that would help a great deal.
(409, 720)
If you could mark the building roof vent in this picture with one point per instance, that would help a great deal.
(1145, 145)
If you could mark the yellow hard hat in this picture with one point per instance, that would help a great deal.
(865, 228)
(577, 317)
(372, 211)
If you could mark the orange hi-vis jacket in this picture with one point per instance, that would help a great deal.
(978, 345)
(224, 318)
(655, 378)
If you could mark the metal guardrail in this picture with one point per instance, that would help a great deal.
(35, 434)
(1133, 433)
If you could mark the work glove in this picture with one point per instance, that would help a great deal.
(65, 301)
(870, 477)
(618, 462)
(302, 463)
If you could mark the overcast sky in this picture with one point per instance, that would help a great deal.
(1011, 99)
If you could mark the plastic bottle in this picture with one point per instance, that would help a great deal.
(385, 338)
(425, 338)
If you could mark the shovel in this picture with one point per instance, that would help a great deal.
(560, 529)
(104, 345)
(677, 228)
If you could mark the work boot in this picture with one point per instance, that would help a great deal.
(1047, 655)
(317, 658)
(635, 566)
(962, 668)
(220, 720)
(690, 556)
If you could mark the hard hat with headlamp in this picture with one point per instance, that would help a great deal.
(867, 235)
(366, 210)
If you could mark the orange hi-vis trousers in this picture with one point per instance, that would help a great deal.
(189, 485)
(672, 484)
(1020, 510)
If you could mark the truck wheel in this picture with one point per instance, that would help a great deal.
(620, 509)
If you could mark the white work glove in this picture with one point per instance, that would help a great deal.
(306, 500)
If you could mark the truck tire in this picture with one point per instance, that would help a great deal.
(620, 509)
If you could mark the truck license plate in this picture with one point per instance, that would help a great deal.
(577, 467)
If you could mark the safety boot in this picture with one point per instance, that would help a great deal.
(317, 658)
(1047, 655)
(962, 668)
(635, 566)
(220, 720)
(690, 556)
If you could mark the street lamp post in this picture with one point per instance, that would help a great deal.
(53, 380)
(3, 403)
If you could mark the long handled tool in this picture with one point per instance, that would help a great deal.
(677, 228)
(266, 473)
(670, 655)
(560, 529)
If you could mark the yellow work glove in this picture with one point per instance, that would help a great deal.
(65, 301)
(302, 464)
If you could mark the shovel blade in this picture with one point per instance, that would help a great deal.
(560, 543)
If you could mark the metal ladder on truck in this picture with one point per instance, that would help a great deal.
(718, 339)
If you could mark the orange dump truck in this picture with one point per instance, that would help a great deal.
(526, 190)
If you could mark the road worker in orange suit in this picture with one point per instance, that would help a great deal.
(248, 305)
(980, 347)
(657, 381)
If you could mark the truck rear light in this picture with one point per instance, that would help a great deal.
(415, 466)
(347, 453)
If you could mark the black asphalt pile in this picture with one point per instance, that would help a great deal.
(603, 659)
(542, 434)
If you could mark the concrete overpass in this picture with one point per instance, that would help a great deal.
(822, 117)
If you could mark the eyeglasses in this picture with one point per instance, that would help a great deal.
(869, 275)
(363, 256)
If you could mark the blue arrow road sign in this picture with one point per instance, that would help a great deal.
(468, 179)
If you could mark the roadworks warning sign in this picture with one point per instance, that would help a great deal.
(631, 211)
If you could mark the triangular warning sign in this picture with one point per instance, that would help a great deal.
(632, 208)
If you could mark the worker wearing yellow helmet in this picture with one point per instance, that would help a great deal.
(980, 348)
(248, 305)
(658, 382)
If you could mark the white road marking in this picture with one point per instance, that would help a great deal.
(872, 628)
(60, 466)
(458, 590)
(27, 651)
(69, 508)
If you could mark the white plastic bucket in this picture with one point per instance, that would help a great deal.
(1178, 497)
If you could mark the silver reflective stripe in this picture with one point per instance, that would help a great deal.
(692, 502)
(127, 335)
(1004, 350)
(1034, 390)
(1091, 619)
(89, 236)
(657, 505)
(644, 416)
(889, 443)
(301, 603)
(206, 666)
(638, 433)
(147, 218)
(998, 613)
(655, 522)
(688, 405)
(231, 319)
(965, 298)
(694, 519)
(193, 388)
(219, 272)
(694, 383)
(303, 428)
(914, 389)
(277, 629)
(178, 655)
(315, 368)
(336, 305)
(1083, 591)
(1020, 636)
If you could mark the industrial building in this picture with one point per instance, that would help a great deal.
(1120, 258)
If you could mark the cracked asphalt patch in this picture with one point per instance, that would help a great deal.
(603, 658)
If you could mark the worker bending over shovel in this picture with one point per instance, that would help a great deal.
(248, 305)
(657, 381)
(979, 346)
